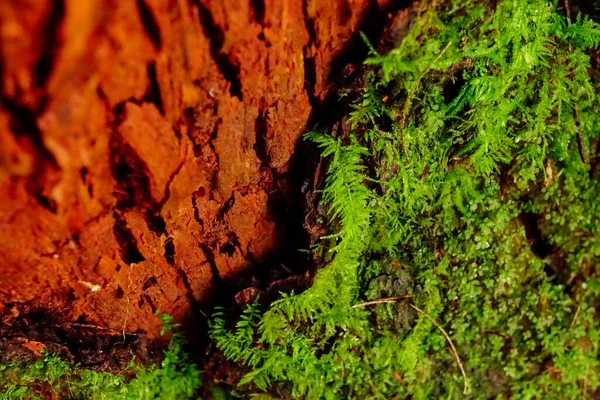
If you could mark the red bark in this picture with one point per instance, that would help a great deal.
(142, 143)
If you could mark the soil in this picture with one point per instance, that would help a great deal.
(151, 159)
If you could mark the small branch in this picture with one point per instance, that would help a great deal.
(96, 327)
(568, 10)
(576, 315)
(453, 349)
(382, 301)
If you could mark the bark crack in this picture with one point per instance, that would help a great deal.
(23, 124)
(261, 131)
(128, 246)
(150, 24)
(257, 8)
(130, 173)
(170, 181)
(186, 284)
(52, 41)
(310, 70)
(169, 248)
(217, 280)
(216, 37)
(154, 95)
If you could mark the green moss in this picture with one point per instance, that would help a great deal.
(175, 378)
(478, 117)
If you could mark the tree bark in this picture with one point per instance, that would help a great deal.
(145, 147)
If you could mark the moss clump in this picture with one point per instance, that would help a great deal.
(482, 119)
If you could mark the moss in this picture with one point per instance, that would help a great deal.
(466, 188)
(175, 378)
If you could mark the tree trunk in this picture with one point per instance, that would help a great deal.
(145, 147)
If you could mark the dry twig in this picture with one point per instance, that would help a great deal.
(452, 348)
(99, 328)
(382, 301)
(434, 322)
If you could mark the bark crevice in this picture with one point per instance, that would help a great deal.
(52, 42)
(128, 246)
(216, 37)
(150, 24)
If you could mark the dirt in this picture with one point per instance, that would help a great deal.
(151, 157)
(92, 347)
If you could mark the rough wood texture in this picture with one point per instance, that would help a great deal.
(144, 144)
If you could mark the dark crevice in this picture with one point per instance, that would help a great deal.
(309, 24)
(257, 8)
(167, 194)
(217, 281)
(216, 37)
(589, 8)
(169, 250)
(347, 66)
(196, 212)
(189, 119)
(260, 145)
(539, 245)
(128, 247)
(150, 282)
(453, 86)
(306, 174)
(150, 24)
(130, 173)
(230, 246)
(83, 173)
(185, 281)
(310, 70)
(153, 94)
(46, 202)
(310, 78)
(52, 40)
(226, 206)
(372, 25)
(150, 303)
(156, 223)
(554, 258)
(214, 176)
(23, 123)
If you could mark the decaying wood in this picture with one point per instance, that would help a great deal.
(143, 144)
